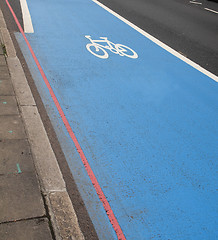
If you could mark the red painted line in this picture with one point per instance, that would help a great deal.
(94, 180)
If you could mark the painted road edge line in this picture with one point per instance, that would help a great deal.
(52, 184)
(195, 2)
(208, 9)
(159, 43)
(27, 21)
(100, 193)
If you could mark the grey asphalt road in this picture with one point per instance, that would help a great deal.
(184, 25)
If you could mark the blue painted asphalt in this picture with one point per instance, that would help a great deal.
(147, 126)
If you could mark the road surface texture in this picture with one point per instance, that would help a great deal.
(183, 25)
(144, 118)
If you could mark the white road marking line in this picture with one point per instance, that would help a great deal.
(211, 10)
(27, 22)
(195, 2)
(159, 43)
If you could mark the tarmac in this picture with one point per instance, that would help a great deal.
(34, 203)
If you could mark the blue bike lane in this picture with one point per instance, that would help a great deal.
(147, 126)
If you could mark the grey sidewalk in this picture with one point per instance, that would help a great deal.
(22, 210)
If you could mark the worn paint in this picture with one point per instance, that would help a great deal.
(18, 168)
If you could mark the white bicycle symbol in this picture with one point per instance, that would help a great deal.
(98, 50)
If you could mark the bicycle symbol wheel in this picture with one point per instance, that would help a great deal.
(97, 51)
(126, 51)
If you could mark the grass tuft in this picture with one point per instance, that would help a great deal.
(4, 49)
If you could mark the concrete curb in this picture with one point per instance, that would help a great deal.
(63, 217)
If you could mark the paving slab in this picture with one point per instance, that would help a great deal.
(6, 88)
(15, 156)
(11, 52)
(37, 229)
(20, 197)
(11, 127)
(8, 105)
(4, 71)
(2, 58)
